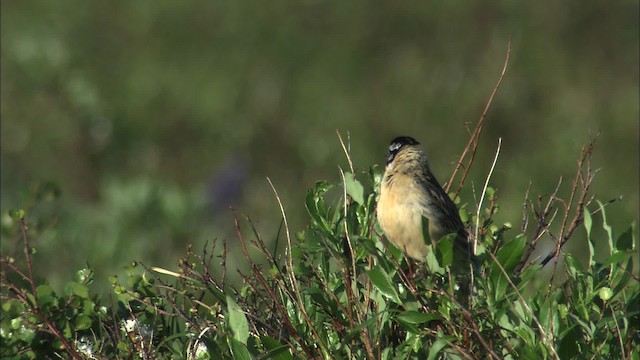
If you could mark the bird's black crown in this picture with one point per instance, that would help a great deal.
(397, 144)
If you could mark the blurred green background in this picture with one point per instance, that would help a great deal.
(152, 117)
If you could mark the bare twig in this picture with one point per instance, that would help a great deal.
(484, 191)
(475, 135)
(619, 333)
(346, 150)
(294, 281)
(584, 181)
(525, 214)
(346, 229)
(258, 275)
(542, 226)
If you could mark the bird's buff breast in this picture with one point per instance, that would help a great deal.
(401, 221)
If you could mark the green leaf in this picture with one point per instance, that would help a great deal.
(573, 265)
(563, 310)
(508, 256)
(617, 257)
(84, 276)
(627, 240)
(432, 262)
(315, 205)
(528, 352)
(529, 273)
(354, 188)
(16, 323)
(45, 294)
(16, 214)
(77, 289)
(312, 243)
(490, 192)
(548, 316)
(568, 346)
(371, 320)
(439, 345)
(623, 276)
(237, 321)
(464, 215)
(588, 222)
(445, 250)
(588, 328)
(383, 283)
(239, 350)
(415, 317)
(82, 322)
(276, 350)
(607, 228)
(26, 334)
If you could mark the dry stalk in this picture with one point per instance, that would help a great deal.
(292, 277)
(545, 218)
(484, 192)
(472, 144)
(583, 180)
(351, 274)
(258, 275)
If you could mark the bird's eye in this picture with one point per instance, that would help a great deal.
(394, 147)
(393, 150)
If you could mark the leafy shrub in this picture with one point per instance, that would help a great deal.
(339, 290)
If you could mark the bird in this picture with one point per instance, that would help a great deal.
(412, 204)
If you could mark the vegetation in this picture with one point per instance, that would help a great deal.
(143, 120)
(338, 290)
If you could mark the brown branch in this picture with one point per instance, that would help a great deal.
(584, 180)
(285, 317)
(525, 214)
(542, 225)
(470, 321)
(475, 135)
(298, 301)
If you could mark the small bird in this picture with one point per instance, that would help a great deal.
(412, 201)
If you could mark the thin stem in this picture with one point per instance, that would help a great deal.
(475, 135)
(292, 276)
(484, 191)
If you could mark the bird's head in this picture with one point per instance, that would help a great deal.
(400, 144)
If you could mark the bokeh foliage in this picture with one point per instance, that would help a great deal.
(152, 116)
